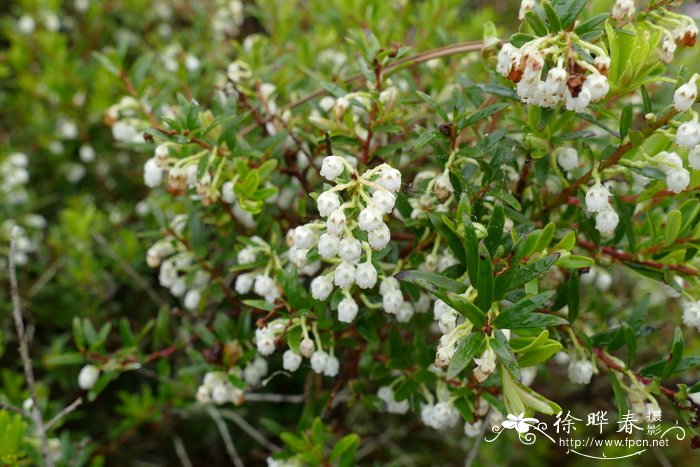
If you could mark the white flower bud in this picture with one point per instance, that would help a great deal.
(303, 237)
(580, 102)
(392, 300)
(319, 361)
(691, 315)
(384, 201)
(86, 153)
(192, 299)
(307, 347)
(152, 174)
(597, 85)
(580, 371)
(88, 377)
(685, 96)
(405, 312)
(597, 198)
(370, 218)
(336, 222)
(694, 158)
(447, 321)
(344, 275)
(472, 430)
(390, 179)
(321, 287)
(227, 194)
(486, 365)
(567, 158)
(265, 341)
(332, 367)
(366, 275)
(623, 10)
(291, 360)
(668, 161)
(179, 287)
(508, 56)
(221, 394)
(203, 395)
(440, 308)
(555, 85)
(246, 256)
(264, 285)
(379, 238)
(606, 221)
(677, 180)
(688, 134)
(328, 245)
(350, 250)
(332, 167)
(327, 202)
(388, 283)
(244, 283)
(347, 310)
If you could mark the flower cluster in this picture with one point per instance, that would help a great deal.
(217, 388)
(548, 73)
(353, 229)
(179, 271)
(13, 178)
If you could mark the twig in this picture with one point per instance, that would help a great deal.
(45, 277)
(248, 428)
(24, 352)
(66, 410)
(623, 256)
(471, 457)
(181, 452)
(14, 409)
(277, 398)
(226, 436)
(130, 271)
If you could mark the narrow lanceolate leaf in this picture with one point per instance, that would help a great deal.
(521, 308)
(533, 270)
(625, 121)
(536, 23)
(676, 354)
(505, 354)
(471, 346)
(471, 250)
(495, 230)
(431, 281)
(572, 295)
(469, 120)
(568, 10)
(466, 309)
(485, 282)
(453, 241)
(673, 226)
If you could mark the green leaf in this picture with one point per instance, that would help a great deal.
(259, 304)
(575, 262)
(465, 121)
(505, 354)
(453, 241)
(344, 450)
(545, 237)
(646, 100)
(521, 308)
(676, 354)
(673, 226)
(519, 39)
(540, 354)
(568, 10)
(472, 345)
(657, 368)
(552, 17)
(495, 230)
(430, 281)
(590, 24)
(484, 298)
(78, 335)
(625, 121)
(466, 309)
(533, 270)
(572, 295)
(536, 23)
(620, 395)
(471, 250)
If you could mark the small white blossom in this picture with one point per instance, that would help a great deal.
(332, 367)
(303, 237)
(366, 275)
(291, 360)
(384, 201)
(192, 299)
(486, 365)
(347, 310)
(88, 377)
(392, 300)
(580, 371)
(307, 347)
(623, 10)
(567, 158)
(328, 245)
(319, 361)
(597, 198)
(677, 180)
(350, 250)
(246, 256)
(691, 314)
(379, 238)
(688, 134)
(321, 287)
(152, 174)
(244, 283)
(525, 6)
(606, 221)
(694, 158)
(344, 275)
(390, 179)
(370, 218)
(332, 167)
(336, 222)
(327, 202)
(685, 96)
(597, 86)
